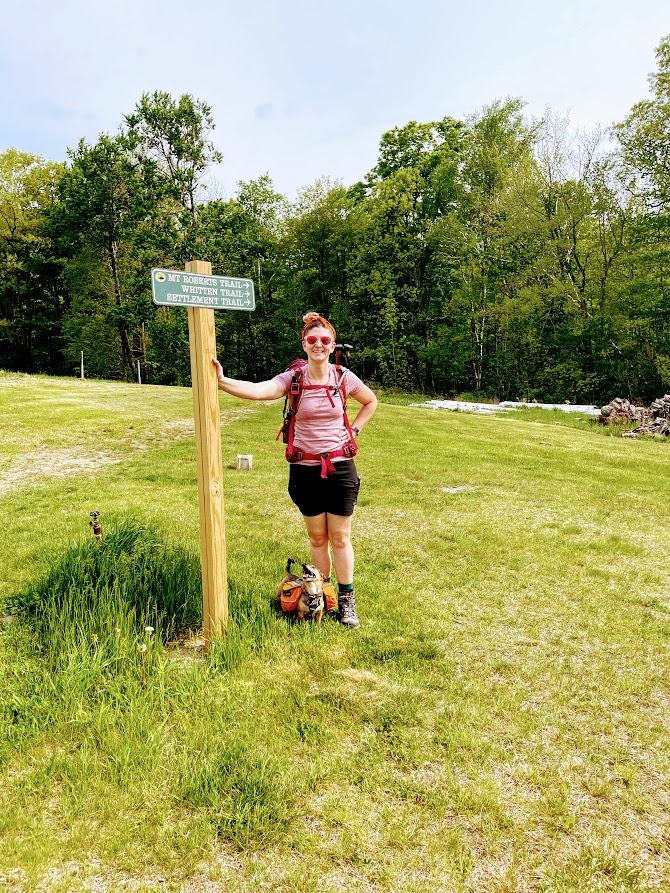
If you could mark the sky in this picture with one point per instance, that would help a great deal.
(301, 89)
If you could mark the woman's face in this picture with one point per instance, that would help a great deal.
(323, 343)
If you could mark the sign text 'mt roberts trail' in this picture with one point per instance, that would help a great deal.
(175, 288)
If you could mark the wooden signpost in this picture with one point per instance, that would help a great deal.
(196, 289)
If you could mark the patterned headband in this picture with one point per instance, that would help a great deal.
(315, 317)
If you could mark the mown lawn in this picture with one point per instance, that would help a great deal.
(499, 723)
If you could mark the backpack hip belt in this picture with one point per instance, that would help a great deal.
(349, 450)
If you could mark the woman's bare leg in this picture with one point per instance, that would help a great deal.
(317, 531)
(338, 529)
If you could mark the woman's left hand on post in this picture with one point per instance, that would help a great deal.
(219, 370)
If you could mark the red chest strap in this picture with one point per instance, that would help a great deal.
(328, 387)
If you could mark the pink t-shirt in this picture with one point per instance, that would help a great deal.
(319, 426)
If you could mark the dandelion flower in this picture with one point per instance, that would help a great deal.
(148, 629)
(118, 632)
(142, 648)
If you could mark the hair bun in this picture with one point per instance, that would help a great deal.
(310, 317)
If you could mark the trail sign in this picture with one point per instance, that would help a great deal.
(177, 288)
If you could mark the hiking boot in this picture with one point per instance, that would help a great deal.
(346, 602)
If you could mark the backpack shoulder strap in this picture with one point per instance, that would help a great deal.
(292, 399)
(341, 378)
(296, 386)
(341, 372)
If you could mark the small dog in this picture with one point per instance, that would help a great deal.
(311, 603)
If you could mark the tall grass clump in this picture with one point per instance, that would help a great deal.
(108, 598)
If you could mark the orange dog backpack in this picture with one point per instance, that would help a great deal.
(290, 596)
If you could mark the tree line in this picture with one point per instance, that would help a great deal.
(492, 256)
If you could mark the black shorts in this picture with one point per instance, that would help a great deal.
(315, 495)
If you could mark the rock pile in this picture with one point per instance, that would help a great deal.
(657, 420)
(622, 412)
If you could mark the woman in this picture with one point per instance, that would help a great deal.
(323, 481)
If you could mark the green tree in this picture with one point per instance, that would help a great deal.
(241, 237)
(31, 297)
(318, 244)
(106, 195)
(644, 155)
(127, 203)
(481, 240)
(171, 139)
(397, 285)
(643, 137)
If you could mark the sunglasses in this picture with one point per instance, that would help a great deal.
(324, 339)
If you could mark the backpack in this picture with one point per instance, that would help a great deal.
(291, 403)
(291, 590)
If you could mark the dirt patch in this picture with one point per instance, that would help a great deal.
(189, 650)
(178, 428)
(62, 462)
(57, 463)
(96, 878)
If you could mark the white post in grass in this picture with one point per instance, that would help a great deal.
(139, 377)
(82, 365)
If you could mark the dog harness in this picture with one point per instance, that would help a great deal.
(291, 592)
(291, 404)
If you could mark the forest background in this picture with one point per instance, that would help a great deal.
(494, 256)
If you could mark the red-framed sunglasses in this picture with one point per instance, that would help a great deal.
(324, 339)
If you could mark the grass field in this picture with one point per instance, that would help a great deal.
(499, 723)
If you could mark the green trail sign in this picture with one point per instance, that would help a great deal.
(175, 288)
